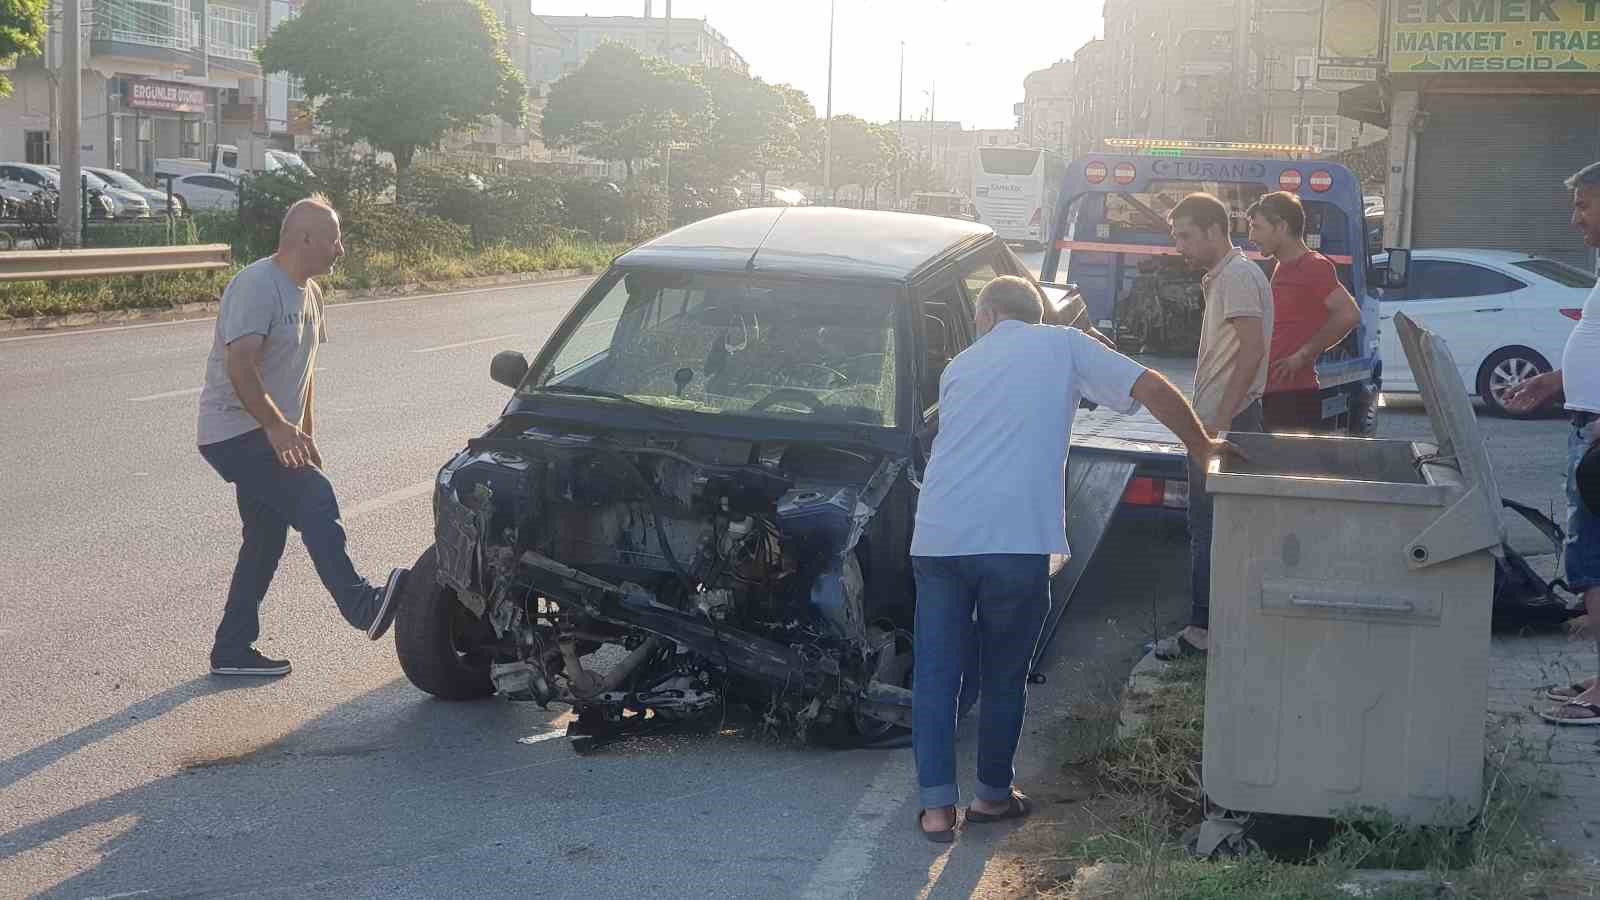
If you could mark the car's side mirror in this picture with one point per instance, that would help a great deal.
(1398, 271)
(509, 367)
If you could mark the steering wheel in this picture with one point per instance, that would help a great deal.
(811, 401)
(831, 372)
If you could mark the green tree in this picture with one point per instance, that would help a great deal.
(400, 74)
(621, 106)
(22, 30)
(756, 127)
(862, 153)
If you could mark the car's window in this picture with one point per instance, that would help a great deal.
(215, 183)
(737, 345)
(946, 331)
(1559, 272)
(975, 277)
(1437, 279)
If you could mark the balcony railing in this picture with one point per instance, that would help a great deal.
(171, 25)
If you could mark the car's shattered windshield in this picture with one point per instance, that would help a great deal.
(746, 346)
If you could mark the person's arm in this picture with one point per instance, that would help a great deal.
(1167, 404)
(1343, 316)
(1535, 393)
(308, 421)
(244, 371)
(1252, 349)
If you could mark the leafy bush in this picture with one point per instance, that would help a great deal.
(597, 208)
(352, 182)
(403, 232)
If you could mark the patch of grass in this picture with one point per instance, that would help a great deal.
(1152, 795)
(357, 271)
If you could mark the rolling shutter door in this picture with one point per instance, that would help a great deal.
(1489, 172)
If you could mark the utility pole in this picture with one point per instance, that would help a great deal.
(69, 211)
(666, 39)
(827, 128)
(899, 129)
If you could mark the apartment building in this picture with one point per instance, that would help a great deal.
(160, 78)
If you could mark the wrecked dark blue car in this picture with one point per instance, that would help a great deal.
(713, 464)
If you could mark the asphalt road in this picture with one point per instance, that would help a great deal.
(125, 770)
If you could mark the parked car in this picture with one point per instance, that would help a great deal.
(156, 198)
(206, 191)
(125, 204)
(48, 178)
(1506, 316)
(713, 464)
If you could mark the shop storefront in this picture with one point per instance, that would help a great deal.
(1487, 114)
(148, 119)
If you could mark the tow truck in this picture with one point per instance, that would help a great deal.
(1111, 248)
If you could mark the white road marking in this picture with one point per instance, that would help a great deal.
(498, 337)
(392, 498)
(843, 871)
(541, 737)
(186, 392)
(119, 896)
(332, 307)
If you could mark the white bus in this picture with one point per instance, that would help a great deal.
(1015, 190)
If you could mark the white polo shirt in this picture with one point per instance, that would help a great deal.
(997, 480)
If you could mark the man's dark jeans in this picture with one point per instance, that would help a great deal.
(1011, 594)
(1200, 515)
(272, 498)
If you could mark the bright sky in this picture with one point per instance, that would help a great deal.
(975, 52)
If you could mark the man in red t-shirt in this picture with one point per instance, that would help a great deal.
(1312, 312)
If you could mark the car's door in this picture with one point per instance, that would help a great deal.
(1471, 306)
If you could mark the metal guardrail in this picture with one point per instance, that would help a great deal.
(104, 262)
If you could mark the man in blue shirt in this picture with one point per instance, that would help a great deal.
(992, 511)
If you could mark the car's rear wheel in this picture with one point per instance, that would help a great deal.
(1503, 371)
(438, 639)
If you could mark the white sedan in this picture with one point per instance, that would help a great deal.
(207, 190)
(1506, 316)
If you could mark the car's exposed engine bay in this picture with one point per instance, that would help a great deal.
(720, 567)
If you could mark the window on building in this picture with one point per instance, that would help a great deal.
(152, 23)
(297, 90)
(1316, 131)
(1305, 67)
(233, 31)
(36, 148)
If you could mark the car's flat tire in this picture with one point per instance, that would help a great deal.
(1506, 366)
(426, 630)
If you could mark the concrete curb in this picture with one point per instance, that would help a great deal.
(209, 308)
(1143, 682)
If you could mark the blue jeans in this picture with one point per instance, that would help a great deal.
(1011, 595)
(1200, 518)
(1581, 556)
(273, 498)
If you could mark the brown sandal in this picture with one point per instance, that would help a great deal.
(1017, 808)
(946, 836)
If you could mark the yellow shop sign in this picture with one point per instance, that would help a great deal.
(1443, 36)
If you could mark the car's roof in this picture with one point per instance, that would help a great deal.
(822, 242)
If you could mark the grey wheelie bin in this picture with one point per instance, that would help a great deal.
(1352, 586)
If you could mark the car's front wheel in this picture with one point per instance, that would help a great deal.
(438, 639)
(1503, 371)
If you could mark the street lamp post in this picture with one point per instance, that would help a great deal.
(827, 128)
(899, 129)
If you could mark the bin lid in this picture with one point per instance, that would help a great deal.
(1449, 405)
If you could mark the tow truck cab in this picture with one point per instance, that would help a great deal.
(1111, 243)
